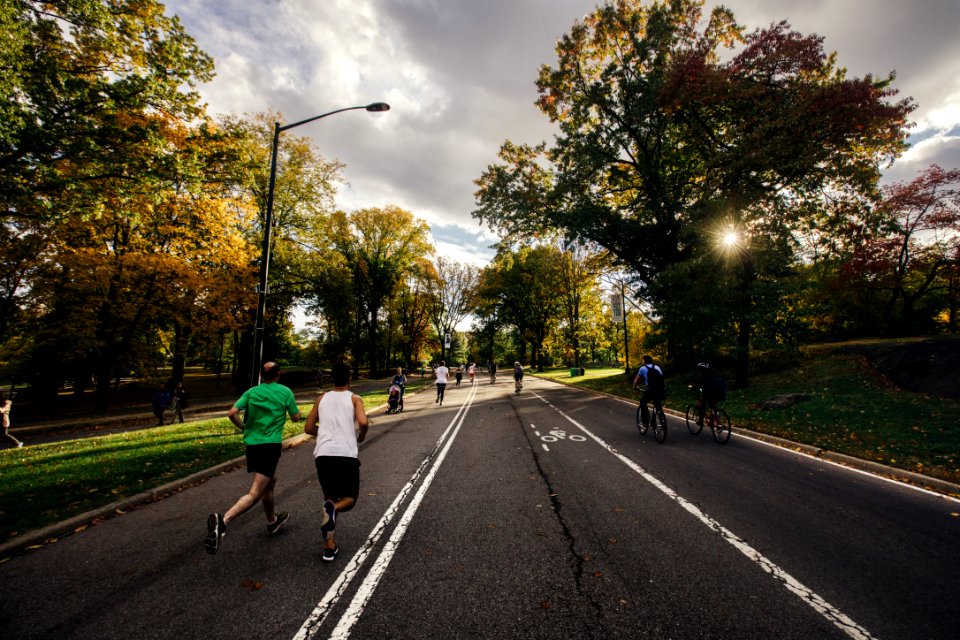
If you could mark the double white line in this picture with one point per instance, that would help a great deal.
(367, 587)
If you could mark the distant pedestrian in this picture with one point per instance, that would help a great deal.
(6, 404)
(161, 401)
(441, 373)
(179, 402)
(332, 421)
(266, 407)
(459, 375)
(472, 371)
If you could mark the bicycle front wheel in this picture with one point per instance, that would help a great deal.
(659, 425)
(692, 417)
(642, 428)
(721, 427)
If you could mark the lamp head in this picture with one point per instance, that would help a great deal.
(378, 106)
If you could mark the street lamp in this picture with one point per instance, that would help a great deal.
(262, 287)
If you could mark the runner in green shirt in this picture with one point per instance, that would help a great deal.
(266, 407)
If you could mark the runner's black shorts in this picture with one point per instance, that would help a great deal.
(339, 477)
(263, 458)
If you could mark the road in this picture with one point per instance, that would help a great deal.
(539, 515)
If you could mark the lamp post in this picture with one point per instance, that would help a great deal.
(262, 287)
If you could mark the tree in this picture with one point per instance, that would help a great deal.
(303, 266)
(452, 296)
(72, 74)
(663, 141)
(522, 286)
(912, 250)
(381, 246)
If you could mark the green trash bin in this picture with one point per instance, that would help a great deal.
(574, 372)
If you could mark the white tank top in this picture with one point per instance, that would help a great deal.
(335, 430)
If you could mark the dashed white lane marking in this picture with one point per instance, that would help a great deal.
(821, 606)
(367, 587)
(546, 448)
(339, 587)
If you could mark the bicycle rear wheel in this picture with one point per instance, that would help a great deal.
(692, 417)
(642, 428)
(721, 427)
(659, 425)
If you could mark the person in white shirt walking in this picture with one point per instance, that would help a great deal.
(441, 373)
(336, 452)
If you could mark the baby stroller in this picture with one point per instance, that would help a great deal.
(395, 399)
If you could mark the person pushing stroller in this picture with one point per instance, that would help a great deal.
(395, 395)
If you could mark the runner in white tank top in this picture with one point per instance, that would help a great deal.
(338, 468)
(336, 414)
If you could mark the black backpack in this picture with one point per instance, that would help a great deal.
(655, 381)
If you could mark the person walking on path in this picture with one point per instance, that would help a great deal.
(6, 404)
(266, 406)
(161, 401)
(179, 403)
(459, 375)
(441, 373)
(332, 420)
(472, 371)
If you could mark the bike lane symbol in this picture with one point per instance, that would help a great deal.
(555, 435)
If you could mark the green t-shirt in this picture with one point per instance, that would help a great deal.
(267, 406)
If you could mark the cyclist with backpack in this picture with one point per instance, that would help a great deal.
(654, 387)
(714, 389)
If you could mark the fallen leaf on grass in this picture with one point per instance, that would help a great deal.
(613, 541)
(597, 574)
(253, 585)
(618, 510)
(544, 605)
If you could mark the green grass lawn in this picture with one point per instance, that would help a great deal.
(48, 483)
(851, 410)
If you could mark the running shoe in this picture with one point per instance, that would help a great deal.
(281, 518)
(329, 554)
(329, 518)
(216, 529)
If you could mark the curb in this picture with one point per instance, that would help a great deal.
(928, 483)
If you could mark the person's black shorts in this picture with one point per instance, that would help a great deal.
(263, 458)
(339, 477)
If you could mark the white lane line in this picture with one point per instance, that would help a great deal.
(367, 587)
(339, 587)
(871, 474)
(546, 448)
(821, 606)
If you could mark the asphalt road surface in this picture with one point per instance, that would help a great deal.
(539, 515)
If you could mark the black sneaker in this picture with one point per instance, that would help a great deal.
(281, 518)
(329, 554)
(329, 519)
(216, 529)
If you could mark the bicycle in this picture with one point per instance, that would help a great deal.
(659, 420)
(716, 418)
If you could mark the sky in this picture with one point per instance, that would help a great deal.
(460, 77)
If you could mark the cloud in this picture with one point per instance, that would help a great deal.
(460, 77)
